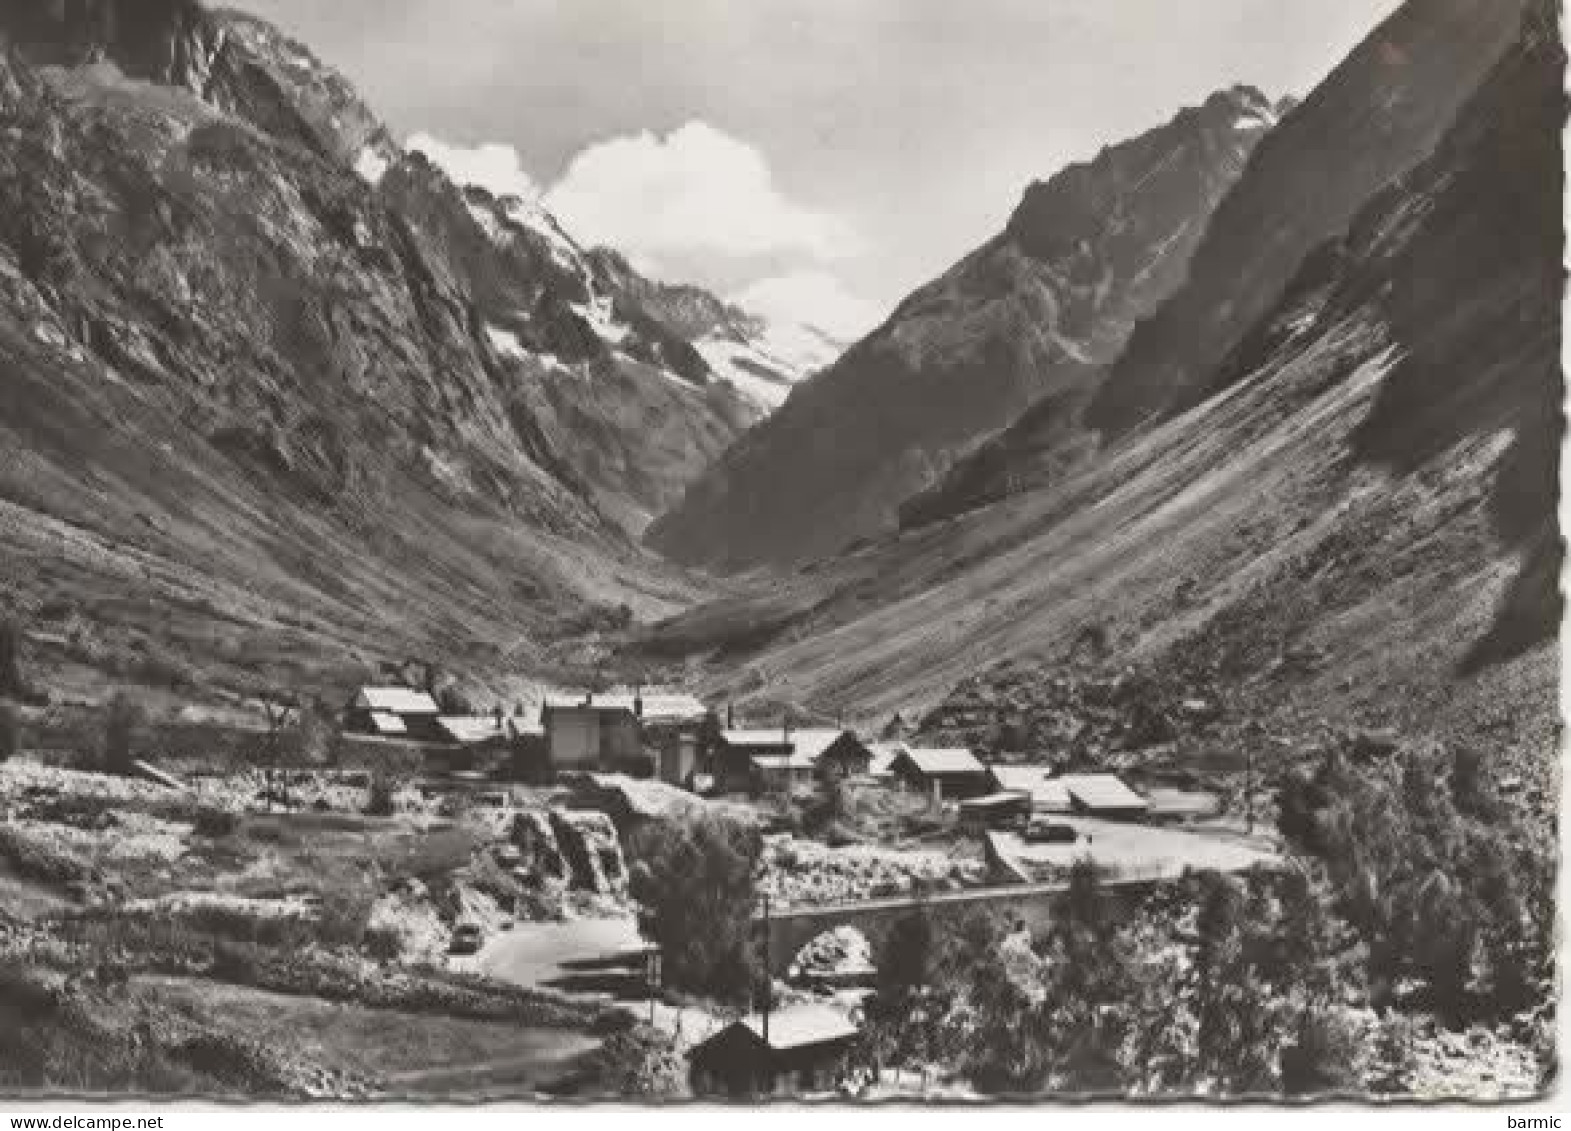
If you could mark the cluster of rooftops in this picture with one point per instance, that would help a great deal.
(675, 736)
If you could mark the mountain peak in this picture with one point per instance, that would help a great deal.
(1089, 196)
(1035, 311)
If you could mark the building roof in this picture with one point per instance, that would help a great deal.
(997, 800)
(396, 700)
(812, 744)
(955, 760)
(782, 762)
(884, 755)
(524, 725)
(796, 1026)
(385, 722)
(1101, 791)
(1047, 792)
(776, 751)
(657, 706)
(470, 728)
(634, 797)
(757, 736)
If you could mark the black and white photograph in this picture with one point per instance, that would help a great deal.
(731, 553)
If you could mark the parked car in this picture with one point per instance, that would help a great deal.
(1050, 832)
(467, 938)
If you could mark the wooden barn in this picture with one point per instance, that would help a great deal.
(797, 1050)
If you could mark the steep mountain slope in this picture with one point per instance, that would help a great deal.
(1358, 529)
(1379, 113)
(1031, 313)
(260, 387)
(619, 385)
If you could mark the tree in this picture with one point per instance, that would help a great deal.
(10, 733)
(316, 739)
(918, 1013)
(696, 883)
(380, 796)
(122, 724)
(10, 657)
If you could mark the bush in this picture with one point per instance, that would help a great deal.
(379, 800)
(214, 822)
(383, 944)
(36, 859)
(122, 725)
(1322, 1060)
(641, 1063)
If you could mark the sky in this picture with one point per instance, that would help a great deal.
(816, 159)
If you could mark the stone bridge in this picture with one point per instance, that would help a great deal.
(791, 928)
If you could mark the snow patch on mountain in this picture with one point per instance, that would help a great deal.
(764, 366)
(371, 165)
(527, 213)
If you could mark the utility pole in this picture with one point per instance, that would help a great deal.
(1249, 789)
(652, 972)
(769, 977)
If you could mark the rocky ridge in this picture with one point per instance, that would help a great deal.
(1031, 314)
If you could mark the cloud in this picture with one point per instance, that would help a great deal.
(696, 192)
(696, 202)
(493, 166)
(816, 298)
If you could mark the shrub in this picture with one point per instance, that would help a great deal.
(640, 1063)
(122, 725)
(379, 799)
(214, 822)
(36, 859)
(383, 944)
(1322, 1059)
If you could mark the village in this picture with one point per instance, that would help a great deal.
(544, 807)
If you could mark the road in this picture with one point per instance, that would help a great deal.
(595, 959)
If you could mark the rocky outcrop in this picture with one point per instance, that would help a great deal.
(570, 848)
(1381, 112)
(589, 844)
(535, 838)
(325, 389)
(1031, 314)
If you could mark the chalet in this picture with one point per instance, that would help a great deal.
(833, 753)
(395, 712)
(1105, 796)
(791, 1051)
(943, 773)
(1048, 794)
(609, 731)
(778, 758)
